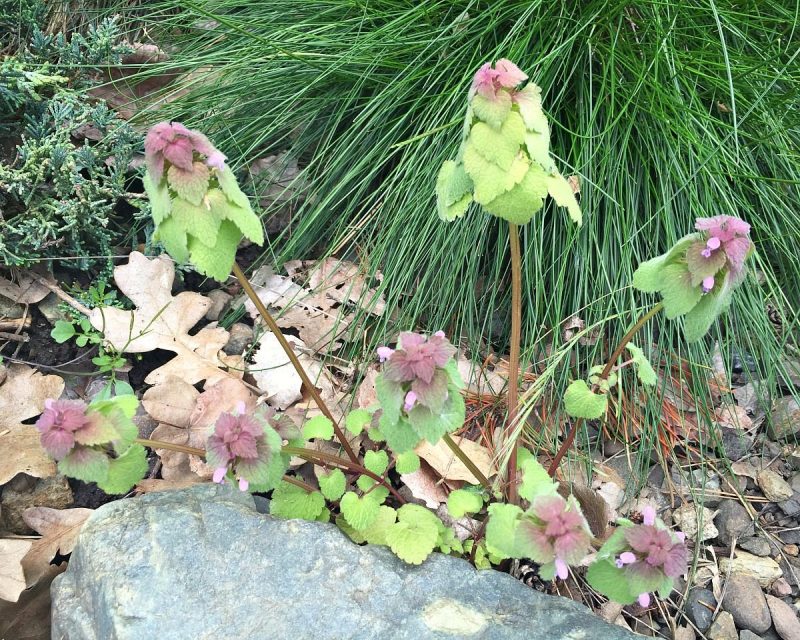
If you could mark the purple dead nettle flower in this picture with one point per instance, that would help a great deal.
(556, 532)
(173, 143)
(237, 444)
(68, 424)
(489, 81)
(420, 361)
(727, 243)
(653, 551)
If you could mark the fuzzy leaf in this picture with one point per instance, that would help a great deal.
(390, 397)
(229, 186)
(171, 234)
(493, 112)
(489, 179)
(605, 577)
(318, 427)
(62, 331)
(198, 221)
(407, 462)
(399, 436)
(501, 530)
(701, 267)
(415, 534)
(376, 532)
(644, 369)
(248, 223)
(518, 204)
(561, 191)
(160, 200)
(538, 147)
(580, 402)
(290, 501)
(356, 420)
(647, 277)
(216, 261)
(677, 291)
(462, 501)
(332, 485)
(535, 481)
(453, 191)
(376, 461)
(190, 186)
(359, 513)
(529, 103)
(499, 147)
(432, 426)
(85, 464)
(698, 321)
(125, 471)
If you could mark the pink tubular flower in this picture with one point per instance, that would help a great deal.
(488, 81)
(410, 401)
(172, 142)
(384, 353)
(557, 532)
(417, 358)
(728, 234)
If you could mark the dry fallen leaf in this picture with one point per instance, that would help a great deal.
(734, 416)
(59, 529)
(22, 397)
(163, 321)
(425, 484)
(12, 577)
(480, 380)
(29, 617)
(444, 461)
(24, 289)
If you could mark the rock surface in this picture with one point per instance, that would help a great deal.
(699, 606)
(765, 570)
(733, 521)
(723, 628)
(745, 601)
(201, 563)
(784, 618)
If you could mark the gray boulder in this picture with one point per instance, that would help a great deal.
(203, 564)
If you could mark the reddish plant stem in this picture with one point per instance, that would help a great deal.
(603, 376)
(287, 348)
(469, 464)
(513, 361)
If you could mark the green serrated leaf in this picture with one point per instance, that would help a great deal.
(400, 436)
(561, 191)
(518, 204)
(318, 427)
(247, 222)
(699, 320)
(644, 369)
(580, 402)
(160, 200)
(332, 485)
(529, 103)
(605, 577)
(501, 146)
(62, 331)
(359, 513)
(415, 534)
(356, 420)
(229, 186)
(376, 532)
(190, 186)
(125, 471)
(197, 220)
(490, 180)
(701, 267)
(679, 296)
(376, 461)
(453, 191)
(173, 236)
(390, 396)
(407, 462)
(215, 261)
(432, 426)
(493, 112)
(290, 501)
(647, 277)
(456, 381)
(535, 481)
(501, 530)
(461, 502)
(85, 464)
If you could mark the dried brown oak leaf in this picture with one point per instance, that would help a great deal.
(22, 397)
(59, 529)
(163, 321)
(186, 416)
(12, 577)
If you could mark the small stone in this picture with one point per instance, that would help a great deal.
(794, 483)
(733, 522)
(241, 335)
(50, 309)
(684, 633)
(781, 588)
(699, 607)
(756, 545)
(791, 507)
(734, 443)
(745, 601)
(791, 549)
(686, 517)
(765, 570)
(219, 299)
(784, 422)
(775, 488)
(11, 310)
(723, 628)
(784, 618)
(24, 491)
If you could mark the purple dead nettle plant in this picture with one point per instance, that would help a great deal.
(246, 447)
